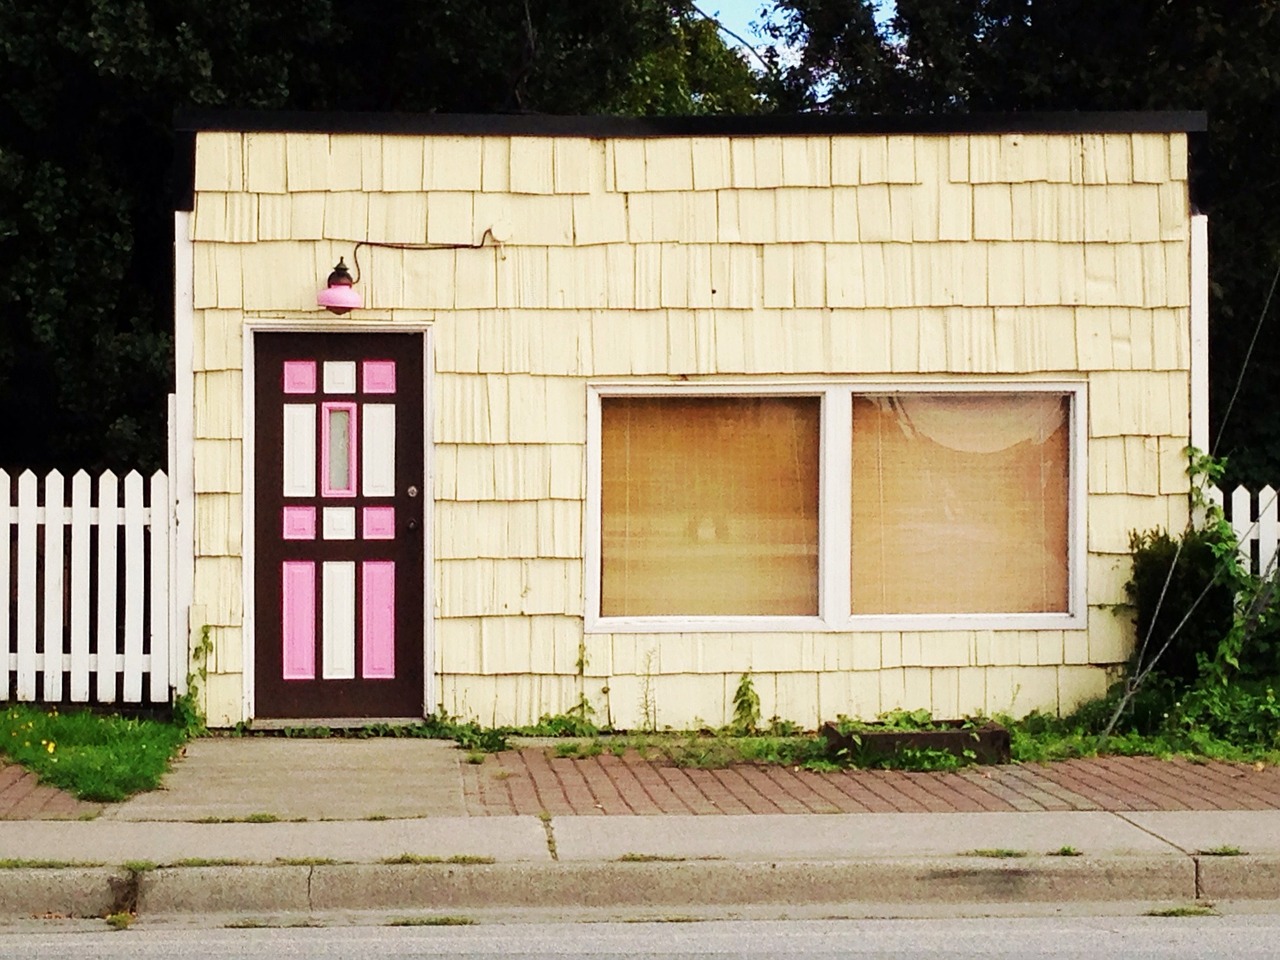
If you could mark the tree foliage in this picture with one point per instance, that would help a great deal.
(948, 56)
(88, 90)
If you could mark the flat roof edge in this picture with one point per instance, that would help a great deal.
(813, 124)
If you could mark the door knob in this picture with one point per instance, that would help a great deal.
(413, 524)
(413, 491)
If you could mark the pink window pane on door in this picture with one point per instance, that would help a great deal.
(338, 450)
(379, 523)
(378, 620)
(379, 376)
(299, 523)
(298, 612)
(299, 376)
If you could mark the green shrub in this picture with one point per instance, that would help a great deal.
(1198, 639)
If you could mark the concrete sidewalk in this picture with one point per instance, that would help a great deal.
(268, 826)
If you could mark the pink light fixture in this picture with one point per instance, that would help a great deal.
(340, 296)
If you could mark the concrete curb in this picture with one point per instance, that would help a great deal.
(257, 889)
(97, 891)
(1250, 877)
(63, 891)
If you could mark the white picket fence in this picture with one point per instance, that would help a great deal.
(89, 616)
(1256, 521)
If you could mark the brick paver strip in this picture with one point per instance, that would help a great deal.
(1092, 782)
(607, 784)
(857, 791)
(575, 786)
(622, 775)
(827, 787)
(1212, 781)
(714, 789)
(802, 787)
(546, 786)
(1144, 793)
(683, 788)
(1064, 799)
(944, 788)
(16, 792)
(658, 789)
(608, 798)
(1263, 785)
(1035, 789)
(1181, 792)
(767, 787)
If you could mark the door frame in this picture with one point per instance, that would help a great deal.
(252, 327)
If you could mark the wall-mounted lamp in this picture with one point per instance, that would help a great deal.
(340, 296)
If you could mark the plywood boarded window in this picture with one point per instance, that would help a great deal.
(709, 506)
(960, 503)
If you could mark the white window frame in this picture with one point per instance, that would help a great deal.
(834, 497)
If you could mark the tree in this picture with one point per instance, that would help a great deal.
(88, 89)
(946, 56)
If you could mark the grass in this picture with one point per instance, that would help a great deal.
(1194, 910)
(98, 757)
(140, 866)
(20, 864)
(999, 853)
(209, 862)
(457, 858)
(1224, 851)
(249, 818)
(119, 921)
(305, 861)
(430, 922)
(649, 858)
(1065, 851)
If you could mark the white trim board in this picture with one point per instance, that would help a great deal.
(834, 529)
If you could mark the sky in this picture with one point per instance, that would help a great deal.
(738, 15)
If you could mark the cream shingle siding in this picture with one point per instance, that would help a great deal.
(927, 257)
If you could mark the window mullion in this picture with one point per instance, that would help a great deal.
(834, 542)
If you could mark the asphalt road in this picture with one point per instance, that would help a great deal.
(1143, 938)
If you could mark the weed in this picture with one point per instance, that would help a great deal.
(999, 853)
(98, 757)
(377, 817)
(140, 866)
(209, 862)
(675, 918)
(649, 858)
(1225, 850)
(1195, 910)
(430, 922)
(305, 861)
(1065, 851)
(247, 923)
(119, 921)
(260, 818)
(408, 858)
(571, 724)
(467, 858)
(566, 750)
(746, 707)
(476, 757)
(648, 705)
(19, 864)
(501, 774)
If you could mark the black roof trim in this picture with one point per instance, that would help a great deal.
(551, 125)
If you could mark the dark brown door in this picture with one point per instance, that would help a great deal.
(338, 473)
